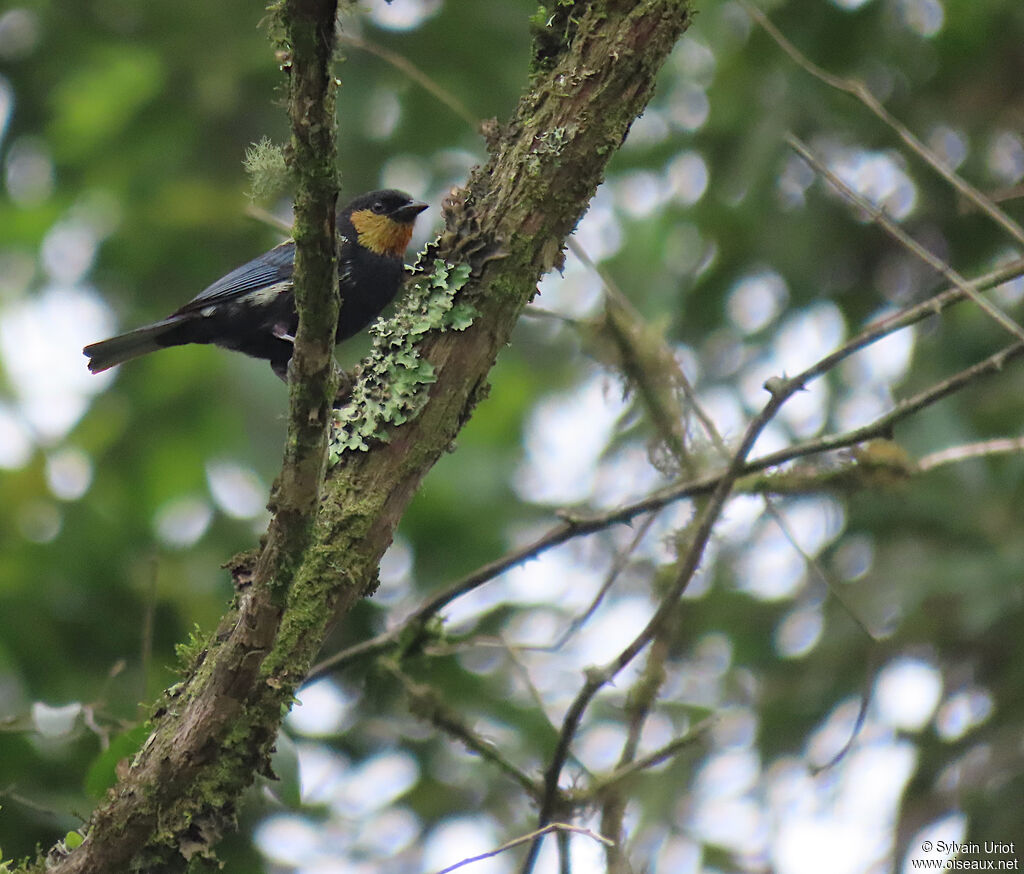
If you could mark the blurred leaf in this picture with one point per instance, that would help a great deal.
(95, 102)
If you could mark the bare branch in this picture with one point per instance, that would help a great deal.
(402, 63)
(812, 562)
(781, 390)
(550, 827)
(654, 758)
(905, 240)
(860, 91)
(578, 526)
(910, 316)
(618, 565)
(955, 454)
(427, 704)
(640, 702)
(266, 217)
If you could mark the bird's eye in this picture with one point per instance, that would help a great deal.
(378, 206)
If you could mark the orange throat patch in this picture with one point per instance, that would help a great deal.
(381, 234)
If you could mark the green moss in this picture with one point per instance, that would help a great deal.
(26, 866)
(191, 651)
(391, 389)
(553, 26)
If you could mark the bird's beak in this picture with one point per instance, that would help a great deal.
(408, 213)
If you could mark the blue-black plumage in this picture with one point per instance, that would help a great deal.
(252, 308)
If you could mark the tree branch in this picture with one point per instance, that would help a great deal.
(860, 91)
(904, 239)
(213, 732)
(780, 390)
(428, 704)
(559, 827)
(594, 73)
(602, 785)
(578, 526)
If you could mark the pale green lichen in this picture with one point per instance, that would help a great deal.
(546, 146)
(391, 388)
(268, 170)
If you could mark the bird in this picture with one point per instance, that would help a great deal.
(252, 308)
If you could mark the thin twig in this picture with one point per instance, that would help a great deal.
(678, 376)
(564, 865)
(904, 239)
(860, 91)
(427, 704)
(954, 454)
(644, 763)
(912, 315)
(265, 216)
(812, 562)
(513, 651)
(647, 363)
(884, 424)
(580, 526)
(407, 67)
(858, 722)
(619, 563)
(522, 839)
(836, 590)
(538, 312)
(146, 638)
(640, 702)
(10, 794)
(596, 678)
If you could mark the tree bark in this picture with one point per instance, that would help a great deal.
(594, 70)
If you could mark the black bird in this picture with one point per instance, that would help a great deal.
(252, 309)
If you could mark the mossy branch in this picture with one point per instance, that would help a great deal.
(213, 731)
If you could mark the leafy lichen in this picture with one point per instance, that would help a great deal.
(391, 388)
(546, 146)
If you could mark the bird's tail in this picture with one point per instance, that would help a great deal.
(124, 347)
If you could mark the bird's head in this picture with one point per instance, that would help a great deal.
(383, 220)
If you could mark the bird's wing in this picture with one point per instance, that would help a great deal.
(271, 271)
